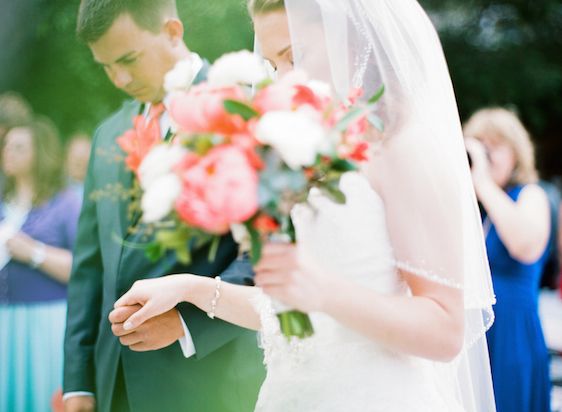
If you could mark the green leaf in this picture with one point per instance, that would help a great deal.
(295, 324)
(183, 255)
(378, 94)
(376, 121)
(203, 145)
(334, 193)
(242, 109)
(349, 118)
(264, 83)
(169, 135)
(154, 251)
(255, 239)
(177, 240)
(343, 165)
(173, 238)
(214, 248)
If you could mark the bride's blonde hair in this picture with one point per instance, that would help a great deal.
(264, 6)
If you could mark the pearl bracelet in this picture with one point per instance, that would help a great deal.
(215, 300)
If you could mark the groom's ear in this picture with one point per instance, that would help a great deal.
(173, 28)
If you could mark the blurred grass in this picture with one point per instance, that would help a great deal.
(500, 52)
(57, 74)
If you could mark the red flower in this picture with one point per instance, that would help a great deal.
(360, 152)
(305, 95)
(138, 141)
(265, 224)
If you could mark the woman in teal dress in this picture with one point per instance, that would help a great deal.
(517, 230)
(38, 219)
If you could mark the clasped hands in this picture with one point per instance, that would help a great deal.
(279, 273)
(156, 333)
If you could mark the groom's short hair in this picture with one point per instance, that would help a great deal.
(95, 17)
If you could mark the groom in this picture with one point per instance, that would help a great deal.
(182, 360)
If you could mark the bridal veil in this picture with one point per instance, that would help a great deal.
(419, 162)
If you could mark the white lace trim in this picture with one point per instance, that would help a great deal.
(427, 274)
(271, 339)
(269, 323)
(470, 303)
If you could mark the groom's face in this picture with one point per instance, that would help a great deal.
(136, 59)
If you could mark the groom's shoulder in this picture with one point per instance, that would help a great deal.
(119, 118)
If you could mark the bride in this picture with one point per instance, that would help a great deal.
(396, 280)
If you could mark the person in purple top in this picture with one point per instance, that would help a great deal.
(38, 220)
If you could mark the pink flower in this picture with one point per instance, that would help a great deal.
(138, 141)
(218, 190)
(354, 95)
(280, 95)
(248, 144)
(201, 110)
(353, 145)
(291, 92)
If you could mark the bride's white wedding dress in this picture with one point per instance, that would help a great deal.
(338, 369)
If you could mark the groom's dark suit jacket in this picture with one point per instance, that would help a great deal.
(226, 372)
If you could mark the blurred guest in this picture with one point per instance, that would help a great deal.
(77, 157)
(14, 110)
(516, 226)
(38, 222)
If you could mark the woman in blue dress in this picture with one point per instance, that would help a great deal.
(38, 221)
(517, 230)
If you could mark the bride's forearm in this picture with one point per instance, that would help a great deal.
(416, 325)
(234, 304)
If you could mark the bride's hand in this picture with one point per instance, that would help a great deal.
(156, 296)
(281, 275)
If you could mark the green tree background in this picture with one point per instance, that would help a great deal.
(499, 53)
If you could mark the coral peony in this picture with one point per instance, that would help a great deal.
(219, 190)
(201, 110)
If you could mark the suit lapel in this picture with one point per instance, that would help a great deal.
(125, 176)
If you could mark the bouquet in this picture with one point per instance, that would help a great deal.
(241, 156)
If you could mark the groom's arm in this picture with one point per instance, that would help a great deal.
(208, 334)
(84, 297)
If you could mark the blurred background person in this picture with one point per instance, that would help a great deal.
(77, 156)
(517, 228)
(14, 110)
(38, 220)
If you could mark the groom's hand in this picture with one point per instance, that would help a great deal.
(80, 404)
(156, 333)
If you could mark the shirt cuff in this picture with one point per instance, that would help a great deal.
(186, 341)
(69, 395)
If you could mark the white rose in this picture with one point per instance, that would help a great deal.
(181, 76)
(241, 67)
(158, 162)
(295, 135)
(158, 201)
